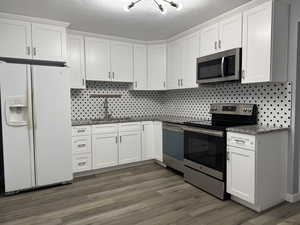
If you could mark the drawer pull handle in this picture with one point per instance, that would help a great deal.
(81, 131)
(81, 146)
(82, 164)
(240, 141)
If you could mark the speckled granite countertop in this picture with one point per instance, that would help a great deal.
(256, 129)
(170, 119)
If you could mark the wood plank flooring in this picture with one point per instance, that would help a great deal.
(144, 195)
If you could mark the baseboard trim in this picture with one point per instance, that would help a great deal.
(292, 197)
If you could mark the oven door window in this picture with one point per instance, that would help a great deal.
(209, 69)
(205, 149)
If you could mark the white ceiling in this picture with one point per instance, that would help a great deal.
(107, 17)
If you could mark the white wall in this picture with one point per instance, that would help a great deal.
(293, 167)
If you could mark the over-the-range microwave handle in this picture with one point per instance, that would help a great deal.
(222, 66)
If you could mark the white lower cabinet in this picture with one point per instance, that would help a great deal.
(107, 145)
(256, 168)
(241, 171)
(129, 147)
(82, 162)
(157, 136)
(105, 150)
(147, 140)
(81, 149)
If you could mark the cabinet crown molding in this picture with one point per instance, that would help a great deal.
(33, 19)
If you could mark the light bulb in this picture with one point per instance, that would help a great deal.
(126, 8)
(179, 6)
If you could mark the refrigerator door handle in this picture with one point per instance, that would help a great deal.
(29, 100)
(33, 98)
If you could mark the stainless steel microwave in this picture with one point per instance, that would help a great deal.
(220, 67)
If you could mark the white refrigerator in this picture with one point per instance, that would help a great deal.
(36, 126)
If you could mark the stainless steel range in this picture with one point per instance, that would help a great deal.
(205, 146)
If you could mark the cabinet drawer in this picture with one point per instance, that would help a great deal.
(82, 162)
(81, 144)
(105, 129)
(241, 140)
(81, 131)
(125, 127)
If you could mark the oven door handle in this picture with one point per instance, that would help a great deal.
(205, 131)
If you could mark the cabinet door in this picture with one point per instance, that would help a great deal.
(121, 59)
(105, 150)
(241, 173)
(257, 44)
(157, 67)
(15, 39)
(230, 33)
(49, 42)
(209, 37)
(147, 141)
(158, 143)
(129, 147)
(174, 65)
(97, 59)
(76, 61)
(190, 55)
(140, 67)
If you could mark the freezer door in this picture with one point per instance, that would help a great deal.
(52, 124)
(17, 136)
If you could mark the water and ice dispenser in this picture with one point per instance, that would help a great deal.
(17, 110)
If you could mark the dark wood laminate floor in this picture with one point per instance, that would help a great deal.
(144, 195)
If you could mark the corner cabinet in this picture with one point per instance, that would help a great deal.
(157, 67)
(25, 40)
(256, 168)
(222, 36)
(76, 61)
(265, 43)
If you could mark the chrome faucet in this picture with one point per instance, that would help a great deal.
(106, 111)
(107, 115)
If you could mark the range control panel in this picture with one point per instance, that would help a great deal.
(233, 109)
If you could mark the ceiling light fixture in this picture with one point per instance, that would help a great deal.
(160, 7)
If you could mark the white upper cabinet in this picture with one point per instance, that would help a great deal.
(230, 33)
(121, 60)
(157, 67)
(25, 40)
(175, 64)
(190, 55)
(49, 42)
(209, 37)
(76, 60)
(97, 53)
(225, 35)
(265, 43)
(108, 60)
(140, 67)
(15, 39)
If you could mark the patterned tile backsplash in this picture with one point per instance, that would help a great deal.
(273, 100)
